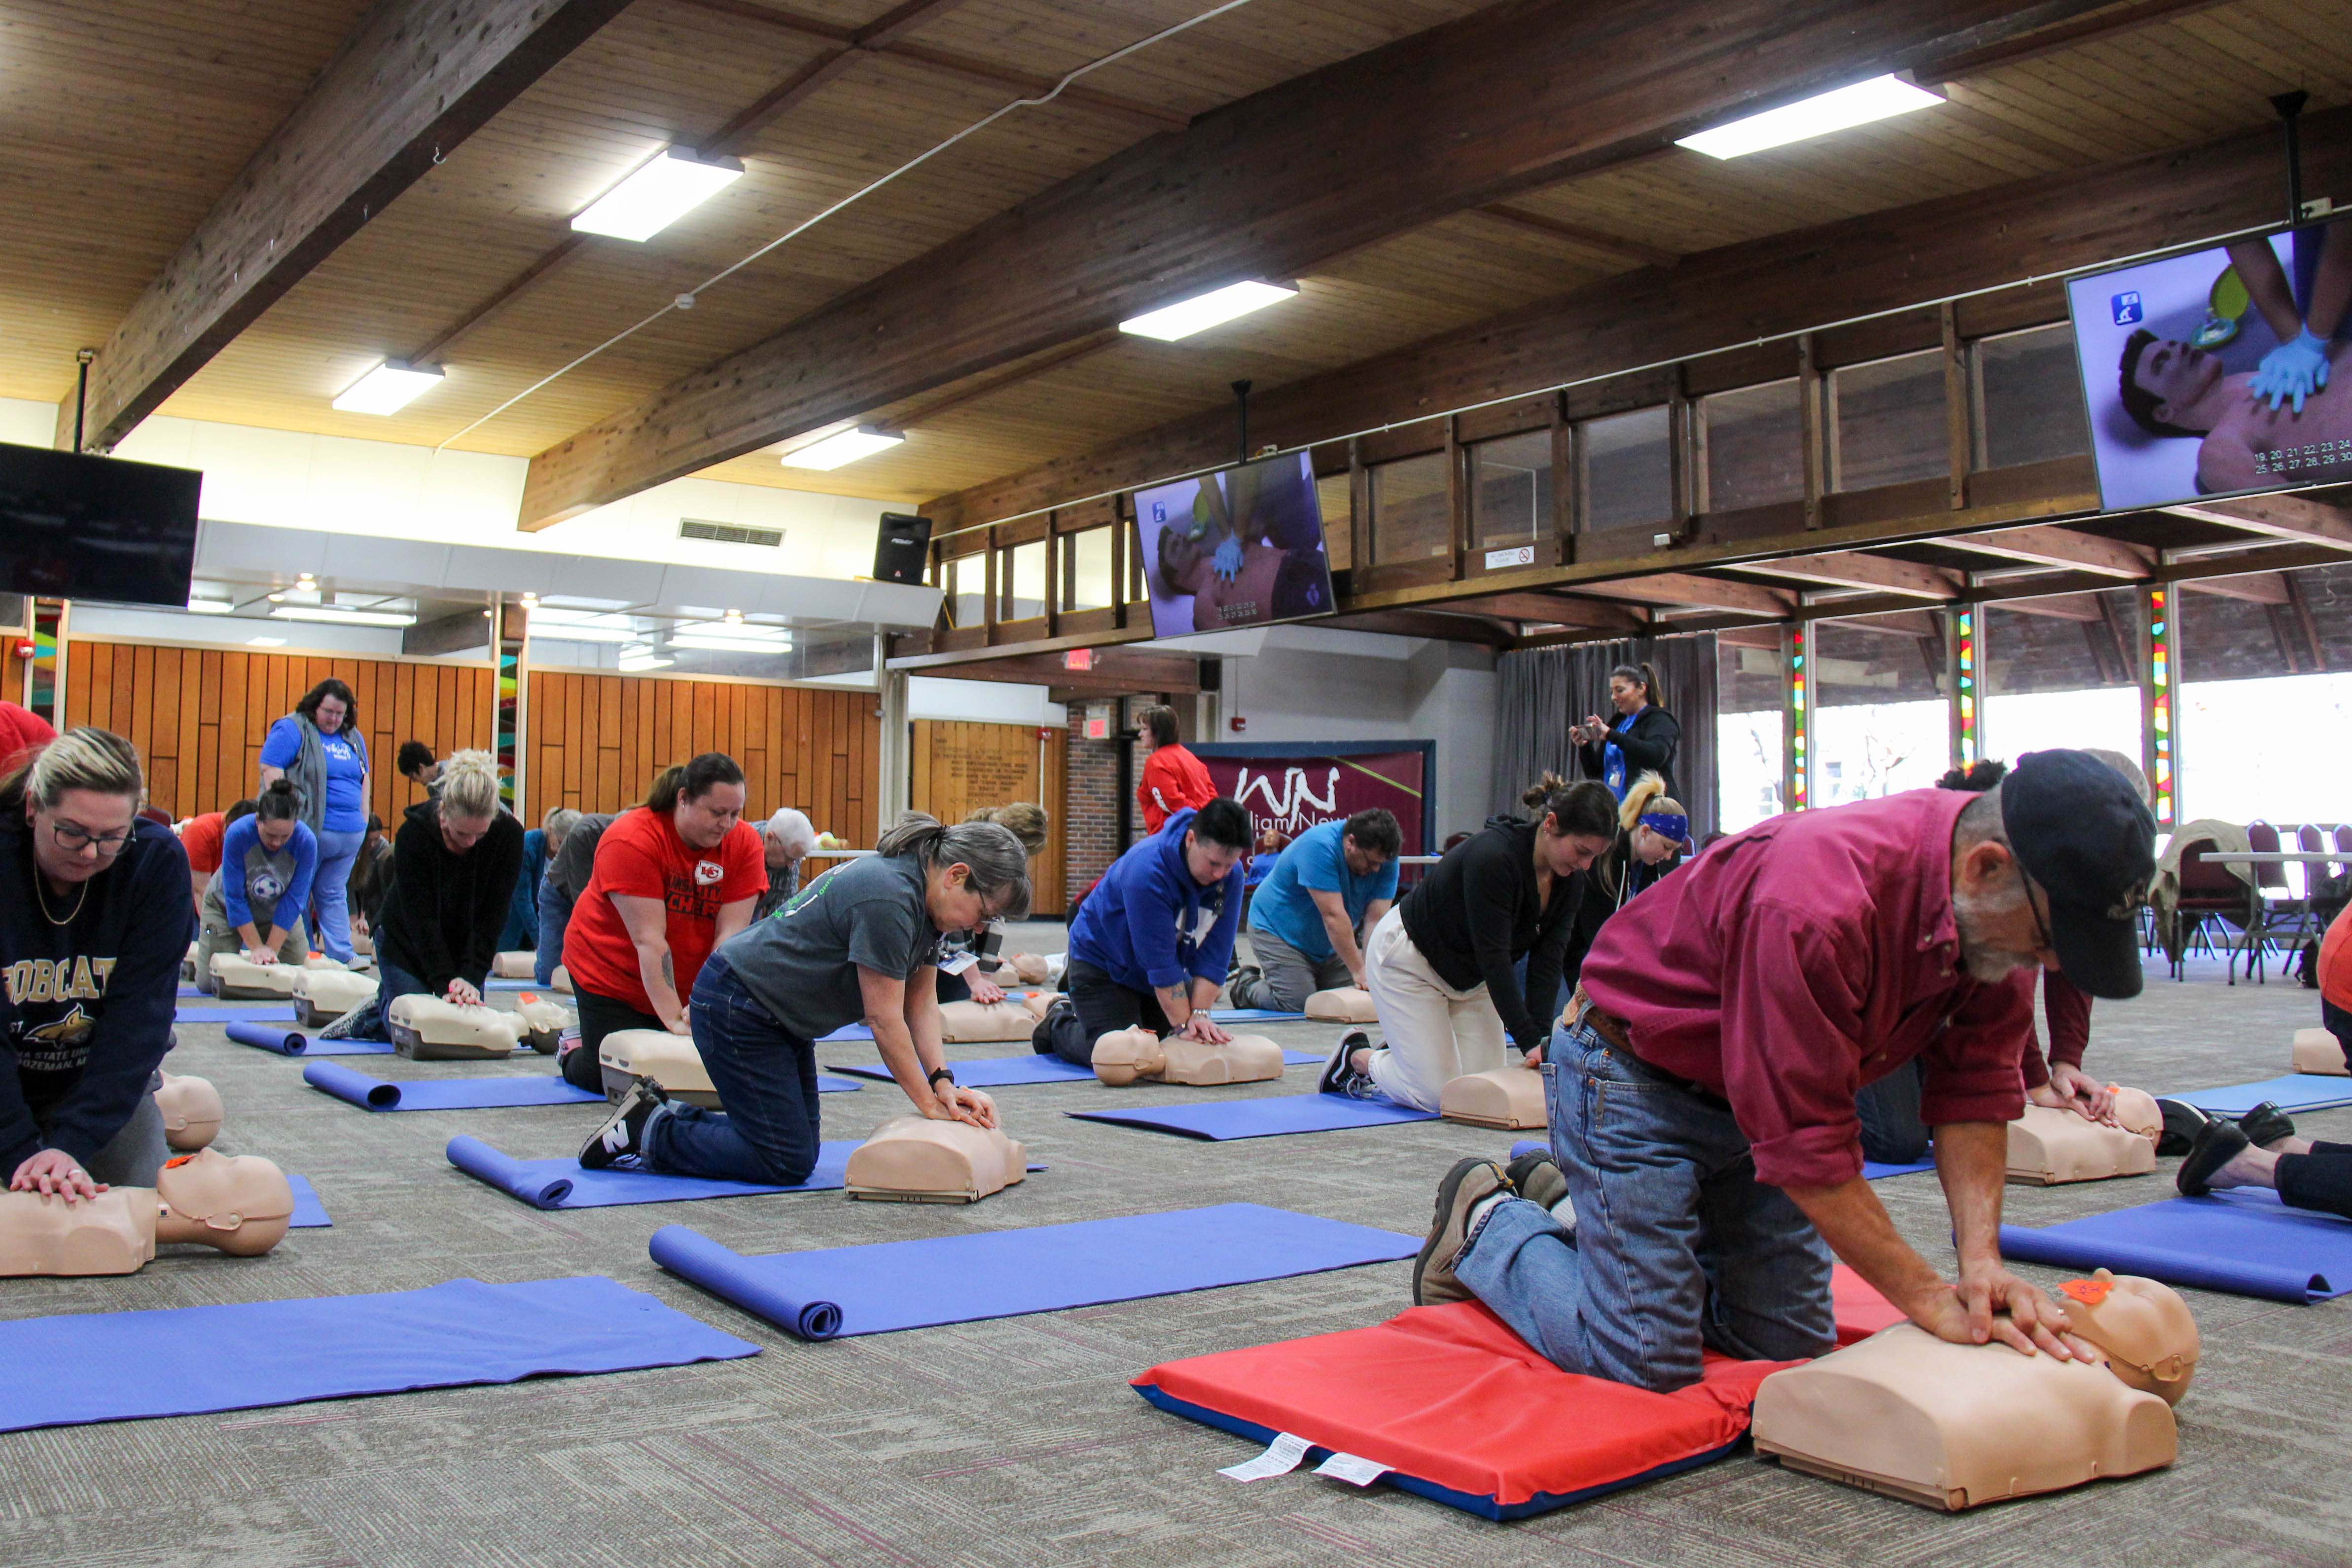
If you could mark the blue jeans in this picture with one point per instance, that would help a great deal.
(1892, 1132)
(337, 852)
(554, 916)
(764, 1075)
(392, 983)
(1677, 1245)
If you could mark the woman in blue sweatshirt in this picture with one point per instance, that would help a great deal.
(94, 919)
(254, 904)
(1153, 940)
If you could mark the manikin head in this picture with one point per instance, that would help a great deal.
(786, 839)
(331, 706)
(78, 798)
(703, 799)
(972, 873)
(1216, 841)
(2147, 1329)
(1630, 687)
(275, 810)
(238, 1205)
(2165, 383)
(1123, 1056)
(469, 801)
(1577, 824)
(1370, 839)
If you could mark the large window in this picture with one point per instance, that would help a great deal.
(1335, 493)
(1410, 519)
(1890, 426)
(2265, 697)
(1024, 579)
(1750, 698)
(1881, 719)
(1089, 586)
(2028, 398)
(1510, 489)
(964, 581)
(2061, 671)
(1755, 446)
(1628, 468)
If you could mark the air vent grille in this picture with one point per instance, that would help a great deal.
(728, 534)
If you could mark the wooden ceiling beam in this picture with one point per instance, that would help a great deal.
(1881, 262)
(2254, 587)
(1666, 588)
(2296, 518)
(412, 81)
(2091, 29)
(2082, 608)
(2045, 545)
(1556, 608)
(989, 387)
(1856, 569)
(1612, 245)
(1439, 623)
(1504, 101)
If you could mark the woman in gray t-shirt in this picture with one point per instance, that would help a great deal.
(860, 942)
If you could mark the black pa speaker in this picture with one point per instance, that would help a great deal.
(902, 548)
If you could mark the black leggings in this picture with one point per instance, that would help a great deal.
(2320, 1180)
(1102, 1006)
(599, 1017)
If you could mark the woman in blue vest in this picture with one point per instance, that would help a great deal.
(318, 746)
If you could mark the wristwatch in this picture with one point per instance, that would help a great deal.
(939, 1073)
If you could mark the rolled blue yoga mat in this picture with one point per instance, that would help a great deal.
(186, 1360)
(1000, 1072)
(2245, 1242)
(288, 1041)
(442, 1093)
(1269, 1116)
(564, 1183)
(894, 1284)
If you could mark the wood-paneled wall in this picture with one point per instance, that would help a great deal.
(594, 742)
(958, 767)
(198, 715)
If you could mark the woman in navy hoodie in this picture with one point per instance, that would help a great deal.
(94, 919)
(1153, 940)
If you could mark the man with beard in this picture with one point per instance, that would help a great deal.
(1702, 1097)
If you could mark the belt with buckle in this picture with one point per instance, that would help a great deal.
(1615, 1033)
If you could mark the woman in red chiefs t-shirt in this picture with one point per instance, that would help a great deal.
(672, 880)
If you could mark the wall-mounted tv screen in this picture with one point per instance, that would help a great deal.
(1240, 547)
(2220, 370)
(73, 526)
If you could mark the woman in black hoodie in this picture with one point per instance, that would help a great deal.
(1439, 965)
(454, 865)
(1641, 737)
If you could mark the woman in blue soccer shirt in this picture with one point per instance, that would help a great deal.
(318, 746)
(253, 905)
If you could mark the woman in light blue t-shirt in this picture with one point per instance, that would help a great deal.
(318, 746)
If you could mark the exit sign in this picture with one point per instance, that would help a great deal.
(1078, 658)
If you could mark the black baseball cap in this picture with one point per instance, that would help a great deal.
(2081, 830)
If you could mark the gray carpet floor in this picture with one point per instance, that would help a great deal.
(1018, 1442)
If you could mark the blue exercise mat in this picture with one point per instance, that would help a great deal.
(1254, 1015)
(846, 1032)
(2244, 1241)
(519, 985)
(1000, 1072)
(309, 1214)
(893, 1285)
(188, 1361)
(564, 1183)
(289, 1041)
(2297, 1091)
(1270, 1117)
(442, 1093)
(234, 1013)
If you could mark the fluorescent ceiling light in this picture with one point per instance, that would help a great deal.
(582, 626)
(846, 447)
(210, 606)
(265, 642)
(1880, 98)
(1202, 311)
(389, 387)
(662, 190)
(338, 615)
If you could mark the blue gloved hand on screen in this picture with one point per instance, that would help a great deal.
(1229, 554)
(2295, 370)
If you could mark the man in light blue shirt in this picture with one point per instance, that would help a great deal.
(1308, 918)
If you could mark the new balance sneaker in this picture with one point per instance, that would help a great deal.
(623, 1132)
(1339, 1075)
(1467, 1194)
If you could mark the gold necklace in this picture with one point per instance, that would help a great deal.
(42, 894)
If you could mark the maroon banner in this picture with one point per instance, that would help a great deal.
(1292, 790)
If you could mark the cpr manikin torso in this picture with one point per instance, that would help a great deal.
(1124, 1055)
(1508, 1098)
(1955, 1425)
(514, 966)
(238, 1205)
(430, 1029)
(191, 1111)
(237, 977)
(1345, 1004)
(912, 1159)
(2049, 1146)
(963, 1023)
(2318, 1051)
(323, 996)
(670, 1060)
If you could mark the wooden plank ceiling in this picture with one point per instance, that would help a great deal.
(103, 187)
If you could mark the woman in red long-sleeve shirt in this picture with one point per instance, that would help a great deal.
(1173, 779)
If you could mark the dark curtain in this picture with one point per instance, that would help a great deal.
(1541, 691)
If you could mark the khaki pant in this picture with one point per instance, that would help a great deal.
(218, 938)
(1432, 1033)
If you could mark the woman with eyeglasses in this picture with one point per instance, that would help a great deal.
(94, 919)
(454, 865)
(318, 746)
